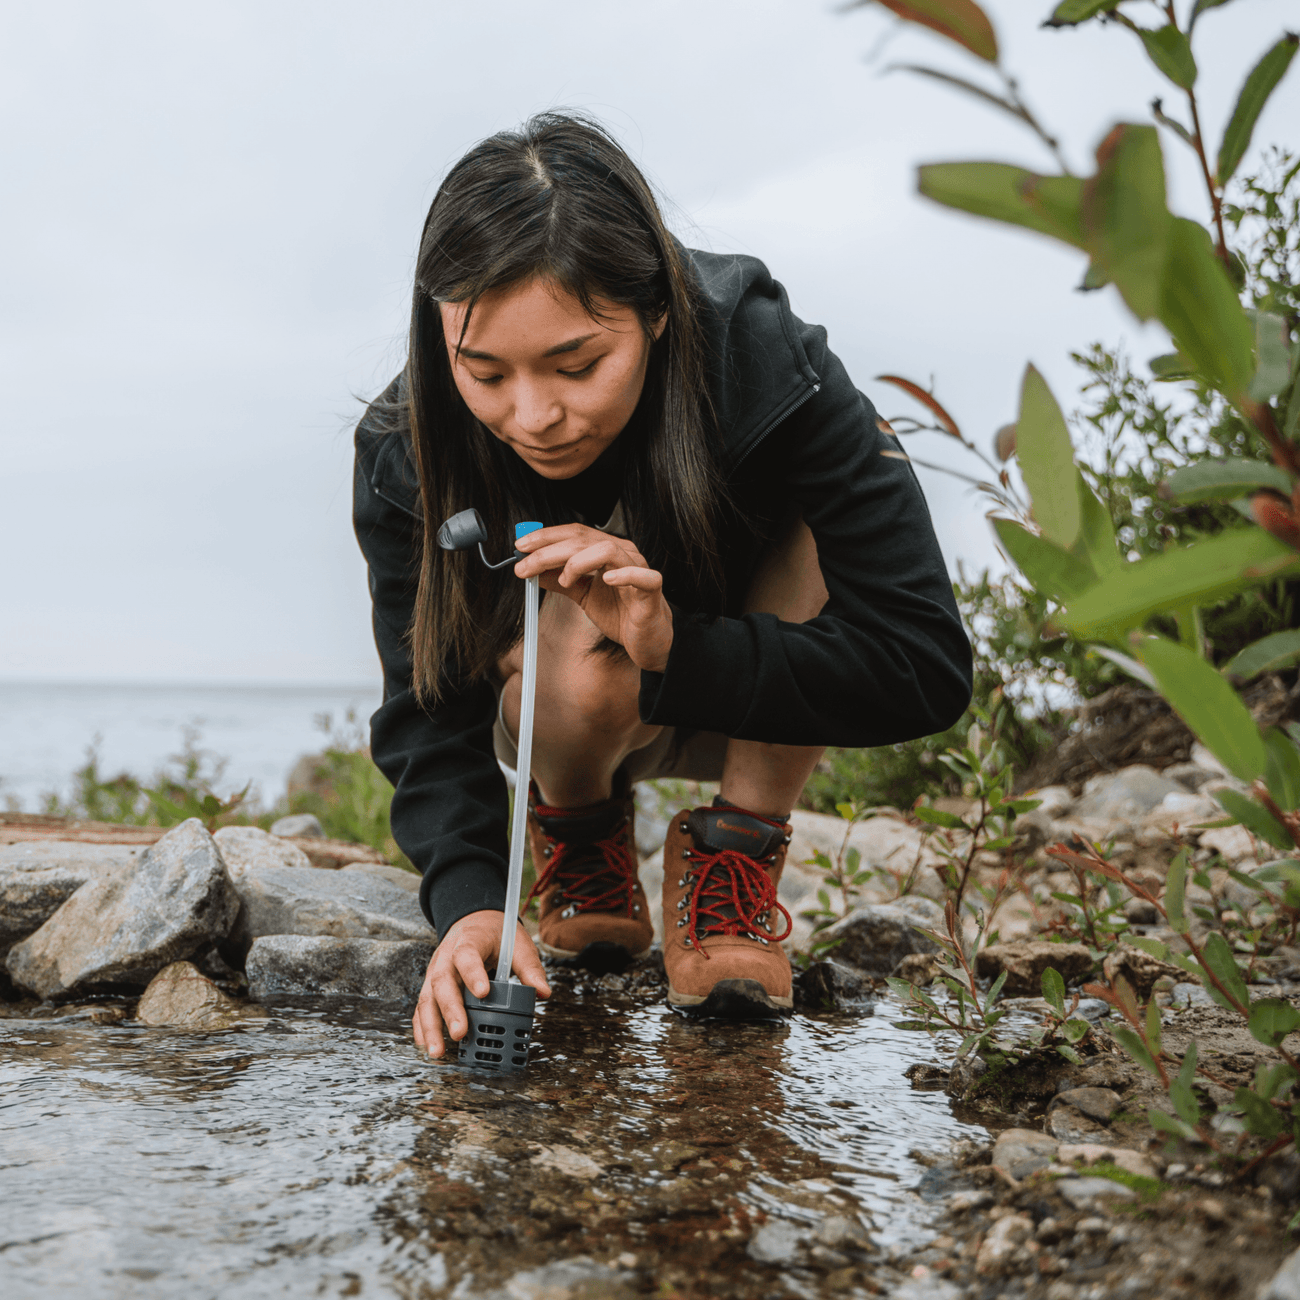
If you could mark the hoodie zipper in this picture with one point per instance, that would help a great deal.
(779, 418)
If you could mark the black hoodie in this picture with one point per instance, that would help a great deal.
(886, 660)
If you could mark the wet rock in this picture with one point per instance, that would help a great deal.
(1069, 1125)
(1085, 1193)
(38, 877)
(568, 1161)
(828, 986)
(579, 1278)
(919, 968)
(1002, 1244)
(965, 1075)
(182, 997)
(839, 1232)
(776, 1242)
(1125, 796)
(927, 1077)
(249, 846)
(1021, 1152)
(343, 904)
(1285, 1283)
(125, 926)
(1095, 1103)
(305, 825)
(874, 939)
(292, 965)
(407, 880)
(1025, 961)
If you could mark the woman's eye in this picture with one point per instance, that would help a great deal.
(485, 379)
(586, 370)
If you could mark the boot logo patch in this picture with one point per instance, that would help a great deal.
(740, 830)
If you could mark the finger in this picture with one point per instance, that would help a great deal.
(450, 1004)
(540, 537)
(428, 1023)
(613, 551)
(648, 580)
(591, 560)
(528, 965)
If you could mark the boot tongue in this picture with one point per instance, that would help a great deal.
(719, 829)
(581, 825)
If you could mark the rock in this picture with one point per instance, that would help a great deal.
(579, 1278)
(248, 846)
(1133, 1162)
(1034, 829)
(828, 986)
(1202, 758)
(1053, 800)
(1137, 911)
(399, 876)
(1285, 1283)
(126, 925)
(1021, 1152)
(345, 904)
(37, 877)
(1027, 959)
(1190, 775)
(885, 842)
(1001, 1243)
(1141, 969)
(1084, 1193)
(776, 1242)
(1096, 1103)
(919, 968)
(306, 825)
(568, 1161)
(1177, 813)
(1280, 1173)
(1232, 843)
(875, 938)
(1189, 995)
(927, 1288)
(839, 1232)
(1125, 796)
(181, 996)
(309, 966)
(1069, 1125)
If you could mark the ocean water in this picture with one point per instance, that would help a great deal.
(257, 731)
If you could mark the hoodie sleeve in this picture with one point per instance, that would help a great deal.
(450, 804)
(887, 659)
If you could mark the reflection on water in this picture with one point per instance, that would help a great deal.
(315, 1153)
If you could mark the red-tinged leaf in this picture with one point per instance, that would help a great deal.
(1101, 991)
(884, 426)
(1277, 517)
(1004, 442)
(926, 400)
(1099, 865)
(962, 21)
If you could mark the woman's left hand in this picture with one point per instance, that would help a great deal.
(609, 580)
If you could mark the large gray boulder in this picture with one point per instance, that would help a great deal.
(874, 939)
(124, 926)
(250, 846)
(338, 904)
(1125, 796)
(298, 965)
(38, 877)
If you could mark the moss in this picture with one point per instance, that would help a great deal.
(1148, 1189)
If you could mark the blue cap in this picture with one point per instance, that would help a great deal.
(522, 530)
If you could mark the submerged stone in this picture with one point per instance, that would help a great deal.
(182, 997)
(829, 986)
(874, 939)
(126, 925)
(293, 965)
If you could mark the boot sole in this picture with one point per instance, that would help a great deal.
(732, 1000)
(602, 957)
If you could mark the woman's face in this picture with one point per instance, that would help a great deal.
(553, 383)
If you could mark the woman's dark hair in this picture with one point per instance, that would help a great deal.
(560, 199)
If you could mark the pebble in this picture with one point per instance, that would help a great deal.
(1001, 1244)
(776, 1242)
(1096, 1103)
(1021, 1152)
(304, 825)
(1069, 1125)
(1084, 1193)
(961, 1202)
(1285, 1283)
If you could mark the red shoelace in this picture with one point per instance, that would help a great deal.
(579, 867)
(734, 895)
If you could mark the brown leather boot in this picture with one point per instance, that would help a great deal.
(723, 956)
(592, 908)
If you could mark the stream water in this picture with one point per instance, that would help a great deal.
(314, 1152)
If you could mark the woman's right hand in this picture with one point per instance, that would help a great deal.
(460, 961)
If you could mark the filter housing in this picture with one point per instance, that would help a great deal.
(500, 1028)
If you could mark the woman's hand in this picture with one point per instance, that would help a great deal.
(609, 580)
(459, 962)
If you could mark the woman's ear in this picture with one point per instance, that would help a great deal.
(659, 324)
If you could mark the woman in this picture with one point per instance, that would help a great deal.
(738, 570)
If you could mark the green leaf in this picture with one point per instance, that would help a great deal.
(937, 817)
(1158, 950)
(1125, 221)
(1259, 85)
(1070, 12)
(1200, 309)
(1200, 7)
(1224, 480)
(1175, 892)
(1153, 1027)
(1054, 990)
(1218, 957)
(1255, 818)
(1070, 1054)
(1208, 704)
(992, 995)
(1075, 1028)
(1051, 570)
(1171, 365)
(1201, 574)
(1272, 1019)
(1046, 459)
(1268, 654)
(999, 191)
(1283, 772)
(1270, 1079)
(1096, 541)
(1171, 52)
(1273, 350)
(1126, 662)
(962, 21)
(1135, 1047)
(1261, 1119)
(1168, 1124)
(1180, 1090)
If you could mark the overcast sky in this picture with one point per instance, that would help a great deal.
(209, 232)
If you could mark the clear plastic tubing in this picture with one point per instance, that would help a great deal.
(523, 769)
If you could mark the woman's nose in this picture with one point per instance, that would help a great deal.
(536, 409)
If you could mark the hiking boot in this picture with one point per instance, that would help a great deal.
(722, 951)
(592, 909)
